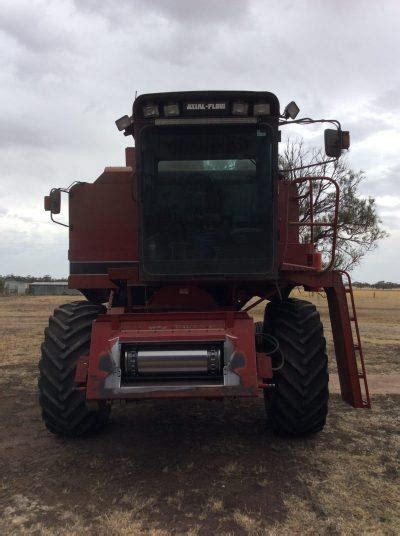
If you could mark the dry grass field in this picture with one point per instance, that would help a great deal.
(198, 467)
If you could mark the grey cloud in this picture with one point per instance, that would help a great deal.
(35, 42)
(178, 11)
(212, 11)
(32, 252)
(389, 101)
(33, 28)
(391, 220)
(17, 133)
(37, 136)
(364, 127)
(386, 182)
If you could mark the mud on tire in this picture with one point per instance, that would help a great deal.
(64, 409)
(298, 405)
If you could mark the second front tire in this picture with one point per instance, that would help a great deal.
(298, 404)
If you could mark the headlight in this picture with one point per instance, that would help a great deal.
(171, 110)
(150, 110)
(240, 108)
(261, 108)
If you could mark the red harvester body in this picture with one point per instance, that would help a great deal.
(178, 242)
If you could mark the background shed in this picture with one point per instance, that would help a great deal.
(13, 286)
(52, 288)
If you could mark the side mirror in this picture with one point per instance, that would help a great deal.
(52, 202)
(336, 141)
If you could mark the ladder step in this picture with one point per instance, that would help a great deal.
(352, 319)
(361, 375)
(348, 290)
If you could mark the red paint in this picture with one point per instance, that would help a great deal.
(186, 297)
(103, 219)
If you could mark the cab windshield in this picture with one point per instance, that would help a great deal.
(206, 200)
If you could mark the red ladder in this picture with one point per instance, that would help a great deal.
(358, 351)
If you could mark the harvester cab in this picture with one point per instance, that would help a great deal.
(206, 190)
(173, 249)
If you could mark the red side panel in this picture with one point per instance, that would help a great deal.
(103, 218)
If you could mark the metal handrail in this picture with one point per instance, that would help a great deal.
(312, 223)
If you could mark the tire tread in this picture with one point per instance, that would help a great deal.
(64, 409)
(299, 404)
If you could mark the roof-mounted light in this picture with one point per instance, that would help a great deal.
(261, 108)
(240, 108)
(291, 110)
(123, 122)
(150, 110)
(171, 110)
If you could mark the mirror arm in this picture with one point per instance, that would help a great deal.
(58, 222)
(67, 191)
(322, 163)
(309, 121)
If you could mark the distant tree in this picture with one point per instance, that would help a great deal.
(359, 228)
(31, 278)
(385, 285)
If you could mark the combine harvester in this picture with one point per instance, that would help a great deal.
(176, 243)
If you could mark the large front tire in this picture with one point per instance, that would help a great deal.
(64, 409)
(298, 405)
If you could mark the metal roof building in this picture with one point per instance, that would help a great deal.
(13, 286)
(52, 288)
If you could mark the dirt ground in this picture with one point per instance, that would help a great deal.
(200, 467)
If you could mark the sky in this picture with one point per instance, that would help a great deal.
(69, 69)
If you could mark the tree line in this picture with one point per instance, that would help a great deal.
(378, 284)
